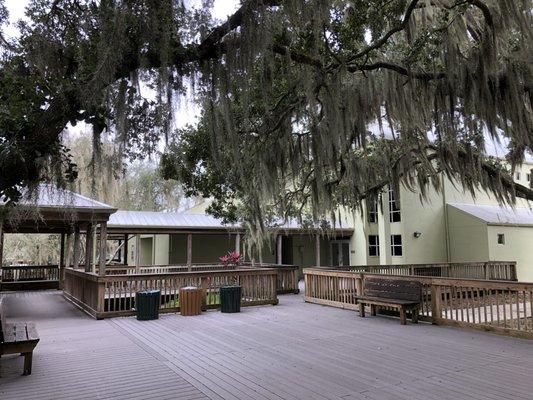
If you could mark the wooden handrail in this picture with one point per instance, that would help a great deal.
(288, 274)
(500, 306)
(491, 270)
(114, 295)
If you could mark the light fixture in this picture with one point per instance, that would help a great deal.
(417, 234)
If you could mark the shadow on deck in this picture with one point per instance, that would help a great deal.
(293, 350)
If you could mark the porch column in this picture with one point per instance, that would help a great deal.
(89, 244)
(68, 249)
(279, 255)
(137, 253)
(103, 248)
(189, 249)
(94, 250)
(61, 265)
(125, 260)
(76, 248)
(317, 249)
(238, 243)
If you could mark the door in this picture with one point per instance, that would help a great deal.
(340, 253)
(286, 250)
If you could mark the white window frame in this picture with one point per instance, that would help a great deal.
(502, 237)
(372, 212)
(395, 246)
(394, 207)
(373, 246)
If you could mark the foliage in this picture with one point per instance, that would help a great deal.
(232, 258)
(307, 105)
(137, 186)
(38, 249)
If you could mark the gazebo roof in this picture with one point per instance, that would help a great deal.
(49, 209)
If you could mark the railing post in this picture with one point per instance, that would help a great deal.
(436, 309)
(61, 265)
(100, 284)
(486, 271)
(359, 285)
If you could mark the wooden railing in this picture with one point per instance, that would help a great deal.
(287, 274)
(490, 270)
(114, 295)
(500, 306)
(26, 277)
(163, 269)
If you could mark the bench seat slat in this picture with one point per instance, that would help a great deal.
(381, 300)
(20, 332)
(9, 333)
(32, 331)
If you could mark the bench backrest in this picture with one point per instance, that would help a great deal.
(393, 289)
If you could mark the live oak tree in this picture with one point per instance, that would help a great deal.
(306, 105)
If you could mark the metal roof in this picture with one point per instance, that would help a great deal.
(498, 215)
(165, 220)
(50, 196)
(172, 220)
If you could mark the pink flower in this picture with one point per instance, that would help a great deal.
(224, 259)
(235, 257)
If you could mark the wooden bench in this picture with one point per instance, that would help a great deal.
(395, 293)
(18, 337)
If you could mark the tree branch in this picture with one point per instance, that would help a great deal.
(380, 42)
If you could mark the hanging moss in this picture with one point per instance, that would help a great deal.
(307, 105)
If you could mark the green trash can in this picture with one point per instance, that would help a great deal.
(147, 304)
(230, 299)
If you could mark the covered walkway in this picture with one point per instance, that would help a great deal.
(294, 350)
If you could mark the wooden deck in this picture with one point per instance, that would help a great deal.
(290, 351)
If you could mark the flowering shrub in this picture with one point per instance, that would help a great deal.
(232, 258)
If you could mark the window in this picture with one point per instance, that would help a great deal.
(517, 176)
(372, 212)
(373, 245)
(394, 207)
(501, 238)
(528, 177)
(396, 245)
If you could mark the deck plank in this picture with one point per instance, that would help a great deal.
(291, 351)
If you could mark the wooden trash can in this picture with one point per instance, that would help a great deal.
(191, 299)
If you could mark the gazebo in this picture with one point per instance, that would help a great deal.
(48, 209)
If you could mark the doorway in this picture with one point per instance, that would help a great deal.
(340, 253)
